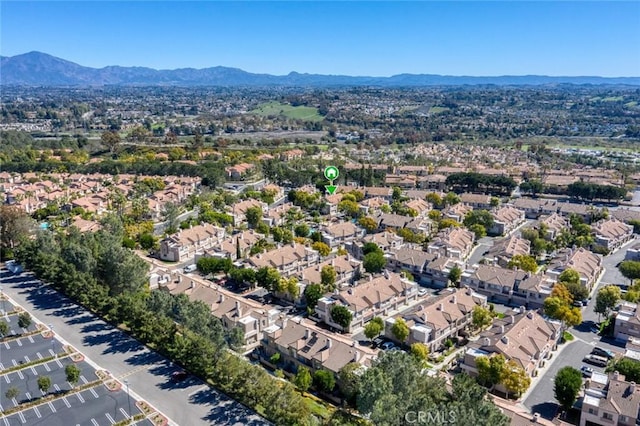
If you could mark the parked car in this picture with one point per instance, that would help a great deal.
(422, 292)
(190, 268)
(387, 346)
(179, 376)
(378, 341)
(596, 360)
(605, 353)
(586, 371)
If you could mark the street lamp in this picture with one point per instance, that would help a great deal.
(126, 382)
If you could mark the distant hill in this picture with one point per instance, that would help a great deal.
(41, 69)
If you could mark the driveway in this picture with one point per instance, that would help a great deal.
(149, 375)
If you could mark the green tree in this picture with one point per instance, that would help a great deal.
(569, 276)
(341, 316)
(524, 262)
(322, 248)
(557, 308)
(268, 278)
(170, 212)
(455, 274)
(630, 269)
(481, 318)
(480, 217)
(302, 379)
(478, 230)
(629, 368)
(147, 241)
(368, 224)
(514, 378)
(111, 141)
(577, 291)
(253, 215)
(324, 380)
(313, 293)
(567, 384)
(606, 299)
(348, 207)
(349, 380)
(400, 329)
(15, 225)
(24, 320)
(4, 329)
(73, 374)
(328, 277)
(44, 383)
(374, 262)
(420, 351)
(373, 328)
(371, 248)
(448, 223)
(434, 199)
(490, 369)
(12, 393)
(302, 230)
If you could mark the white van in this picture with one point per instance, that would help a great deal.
(190, 268)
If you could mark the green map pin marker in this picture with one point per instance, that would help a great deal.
(331, 173)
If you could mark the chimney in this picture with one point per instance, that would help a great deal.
(440, 306)
(453, 299)
(357, 356)
(505, 339)
(284, 323)
(530, 314)
(536, 417)
(238, 307)
(333, 262)
(192, 285)
(307, 333)
(512, 319)
(486, 341)
(616, 375)
(502, 329)
(328, 346)
(221, 298)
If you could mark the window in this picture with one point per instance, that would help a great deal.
(607, 416)
(593, 411)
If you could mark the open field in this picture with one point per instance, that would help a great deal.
(298, 112)
(437, 110)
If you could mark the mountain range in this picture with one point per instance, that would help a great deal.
(41, 69)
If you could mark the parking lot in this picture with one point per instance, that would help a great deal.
(27, 349)
(95, 406)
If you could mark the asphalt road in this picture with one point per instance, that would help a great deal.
(149, 375)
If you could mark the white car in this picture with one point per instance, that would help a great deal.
(422, 292)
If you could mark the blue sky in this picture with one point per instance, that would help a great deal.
(353, 38)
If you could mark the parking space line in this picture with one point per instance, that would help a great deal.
(15, 363)
(110, 418)
(53, 409)
(39, 355)
(31, 339)
(6, 422)
(28, 396)
(20, 375)
(19, 342)
(26, 358)
(35, 409)
(80, 397)
(22, 419)
(6, 378)
(124, 413)
(59, 363)
(33, 370)
(64, 399)
(93, 392)
(52, 352)
(84, 381)
(46, 367)
(56, 387)
(1, 366)
(6, 345)
(95, 423)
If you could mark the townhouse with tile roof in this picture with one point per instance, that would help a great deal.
(525, 337)
(504, 250)
(372, 296)
(627, 322)
(411, 260)
(508, 286)
(611, 233)
(233, 311)
(453, 242)
(477, 201)
(299, 343)
(534, 207)
(587, 264)
(457, 212)
(505, 219)
(346, 267)
(391, 221)
(341, 233)
(231, 245)
(554, 225)
(239, 210)
(609, 399)
(440, 318)
(184, 244)
(387, 241)
(287, 259)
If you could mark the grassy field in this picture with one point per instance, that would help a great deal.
(298, 112)
(437, 110)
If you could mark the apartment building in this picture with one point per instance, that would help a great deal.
(373, 296)
(184, 244)
(239, 210)
(411, 260)
(506, 219)
(457, 212)
(338, 235)
(504, 250)
(554, 225)
(346, 267)
(586, 263)
(627, 322)
(453, 242)
(477, 201)
(533, 208)
(287, 259)
(508, 286)
(610, 400)
(440, 318)
(525, 337)
(612, 233)
(387, 241)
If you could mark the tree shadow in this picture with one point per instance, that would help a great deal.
(144, 358)
(547, 410)
(117, 342)
(94, 328)
(224, 410)
(83, 319)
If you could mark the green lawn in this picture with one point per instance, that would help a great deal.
(631, 104)
(437, 110)
(613, 99)
(298, 112)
